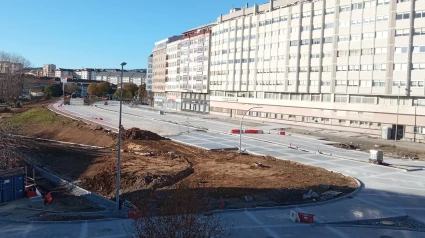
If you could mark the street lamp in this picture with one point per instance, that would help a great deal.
(240, 130)
(398, 105)
(117, 197)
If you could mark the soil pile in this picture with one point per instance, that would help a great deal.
(137, 134)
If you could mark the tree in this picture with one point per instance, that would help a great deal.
(71, 88)
(104, 87)
(12, 80)
(53, 90)
(12, 150)
(126, 94)
(183, 215)
(93, 89)
(131, 87)
(141, 93)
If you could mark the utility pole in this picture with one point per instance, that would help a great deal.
(117, 196)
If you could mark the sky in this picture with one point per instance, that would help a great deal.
(100, 33)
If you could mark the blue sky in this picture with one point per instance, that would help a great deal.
(99, 33)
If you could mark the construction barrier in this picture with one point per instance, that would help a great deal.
(306, 218)
(282, 133)
(48, 199)
(253, 131)
(30, 193)
(236, 131)
(294, 217)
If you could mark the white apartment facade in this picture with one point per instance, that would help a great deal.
(49, 70)
(194, 69)
(59, 73)
(172, 80)
(334, 64)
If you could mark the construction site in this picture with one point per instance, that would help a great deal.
(153, 164)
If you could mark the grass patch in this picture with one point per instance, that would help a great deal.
(33, 116)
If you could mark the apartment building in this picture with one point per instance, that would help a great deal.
(195, 68)
(49, 70)
(128, 77)
(172, 80)
(347, 65)
(60, 72)
(159, 70)
(7, 67)
(149, 73)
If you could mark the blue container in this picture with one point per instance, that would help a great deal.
(19, 186)
(7, 189)
(12, 184)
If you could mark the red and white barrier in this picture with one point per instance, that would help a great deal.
(254, 132)
(236, 131)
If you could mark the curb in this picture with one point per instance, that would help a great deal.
(359, 184)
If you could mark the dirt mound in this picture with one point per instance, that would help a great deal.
(137, 134)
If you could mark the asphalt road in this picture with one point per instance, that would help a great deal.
(386, 192)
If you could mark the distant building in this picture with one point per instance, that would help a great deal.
(149, 73)
(49, 70)
(128, 77)
(60, 73)
(9, 67)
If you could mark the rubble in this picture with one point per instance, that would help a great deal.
(329, 194)
(137, 134)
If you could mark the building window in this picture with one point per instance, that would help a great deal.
(400, 50)
(380, 67)
(419, 14)
(368, 20)
(418, 49)
(381, 34)
(416, 66)
(318, 12)
(343, 53)
(327, 40)
(402, 16)
(356, 6)
(369, 35)
(295, 16)
(402, 32)
(345, 8)
(365, 83)
(382, 2)
(398, 67)
(380, 51)
(344, 23)
(341, 68)
(355, 37)
(293, 43)
(341, 98)
(340, 82)
(378, 83)
(367, 67)
(329, 11)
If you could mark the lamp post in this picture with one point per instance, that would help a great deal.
(240, 130)
(398, 105)
(117, 196)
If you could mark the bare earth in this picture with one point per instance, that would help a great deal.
(226, 176)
